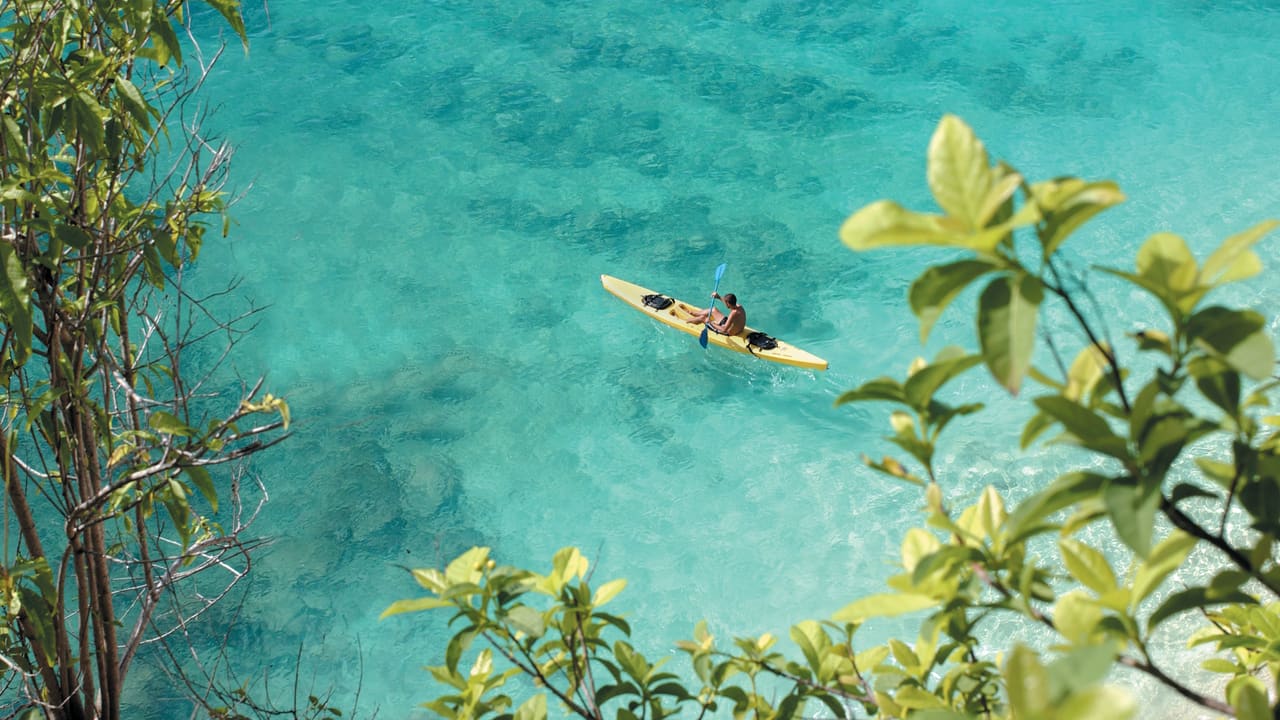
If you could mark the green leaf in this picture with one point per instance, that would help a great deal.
(1227, 641)
(1166, 261)
(166, 244)
(906, 438)
(151, 264)
(916, 545)
(88, 117)
(884, 388)
(631, 661)
(938, 569)
(1227, 581)
(526, 620)
(915, 698)
(200, 478)
(569, 563)
(168, 423)
(1144, 406)
(41, 613)
(1220, 665)
(1007, 314)
(1162, 441)
(1087, 565)
(1067, 490)
(1193, 598)
(1098, 703)
(457, 645)
(788, 708)
(939, 415)
(133, 101)
(998, 206)
(483, 664)
(838, 710)
(37, 571)
(1089, 428)
(609, 692)
(535, 708)
(921, 386)
(1186, 491)
(430, 579)
(1159, 291)
(1034, 428)
(1068, 203)
(164, 40)
(812, 641)
(1250, 702)
(871, 657)
(891, 467)
(1234, 260)
(15, 301)
(1081, 668)
(674, 689)
(15, 144)
(175, 502)
(983, 518)
(230, 10)
(608, 591)
(883, 605)
(1219, 383)
(1076, 616)
(1260, 496)
(1086, 370)
(1132, 510)
(467, 567)
(1028, 683)
(905, 656)
(959, 171)
(1164, 559)
(414, 605)
(936, 287)
(73, 236)
(1237, 336)
(1261, 617)
(885, 223)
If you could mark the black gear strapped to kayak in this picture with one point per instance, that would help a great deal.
(761, 341)
(656, 301)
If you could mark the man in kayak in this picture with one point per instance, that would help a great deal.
(732, 324)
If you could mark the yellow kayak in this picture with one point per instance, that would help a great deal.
(676, 313)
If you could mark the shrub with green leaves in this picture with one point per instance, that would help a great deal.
(112, 436)
(1177, 454)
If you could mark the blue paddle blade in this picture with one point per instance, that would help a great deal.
(720, 272)
(702, 339)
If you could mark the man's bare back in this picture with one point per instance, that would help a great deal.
(732, 324)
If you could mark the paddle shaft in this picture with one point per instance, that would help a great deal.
(702, 339)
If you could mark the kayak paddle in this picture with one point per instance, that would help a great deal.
(702, 339)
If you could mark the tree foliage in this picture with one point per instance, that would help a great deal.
(110, 427)
(1177, 453)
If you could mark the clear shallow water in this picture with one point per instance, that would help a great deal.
(436, 187)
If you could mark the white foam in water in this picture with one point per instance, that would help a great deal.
(438, 186)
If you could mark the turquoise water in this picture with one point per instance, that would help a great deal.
(434, 188)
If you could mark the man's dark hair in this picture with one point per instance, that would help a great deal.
(730, 299)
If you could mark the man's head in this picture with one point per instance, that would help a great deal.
(731, 300)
